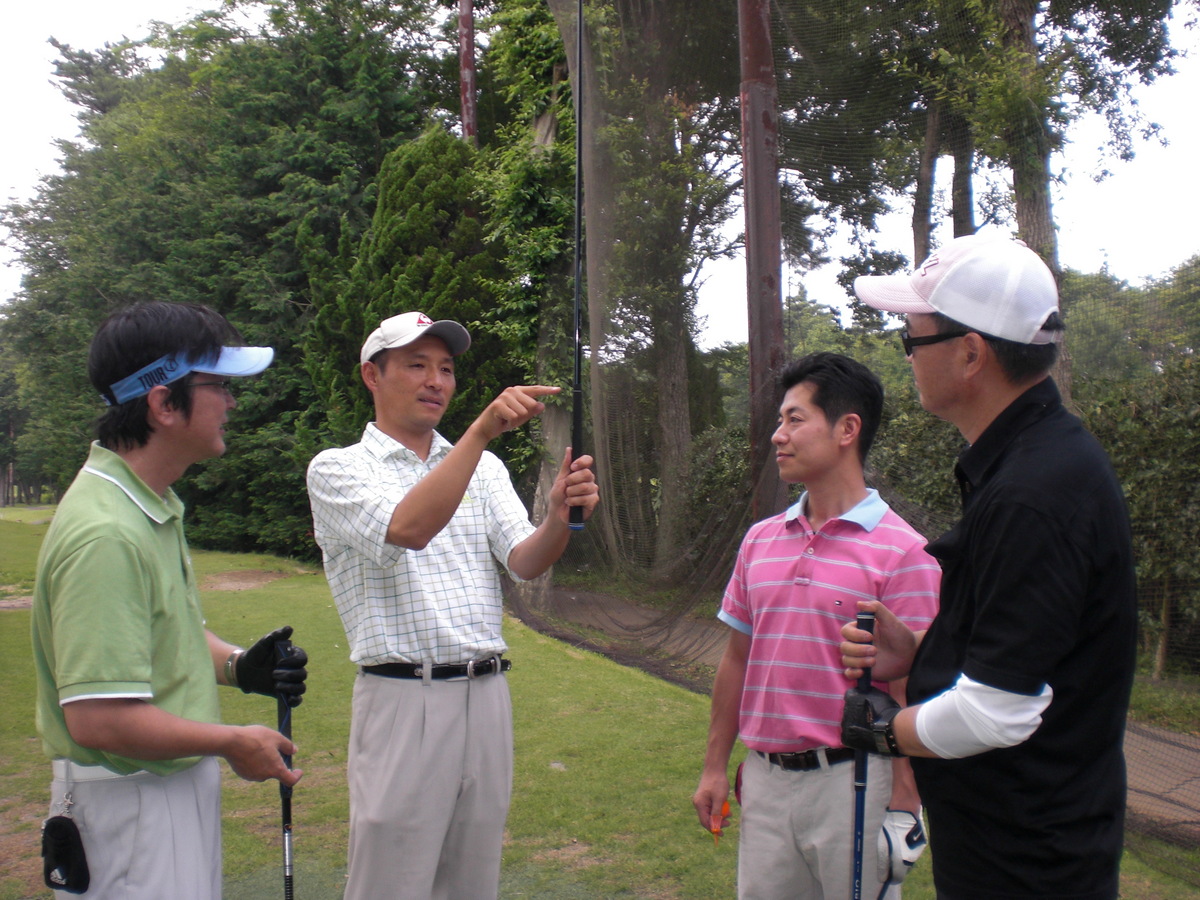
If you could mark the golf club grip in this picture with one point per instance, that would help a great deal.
(865, 621)
(575, 513)
(283, 649)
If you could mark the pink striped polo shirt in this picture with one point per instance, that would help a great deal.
(793, 590)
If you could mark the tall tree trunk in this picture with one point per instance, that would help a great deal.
(1029, 157)
(1028, 141)
(764, 298)
(466, 71)
(1164, 633)
(962, 197)
(669, 304)
(922, 220)
(674, 443)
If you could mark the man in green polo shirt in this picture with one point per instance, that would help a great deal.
(126, 671)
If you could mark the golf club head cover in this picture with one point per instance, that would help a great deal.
(867, 721)
(259, 672)
(901, 843)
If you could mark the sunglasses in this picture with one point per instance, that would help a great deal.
(225, 384)
(910, 342)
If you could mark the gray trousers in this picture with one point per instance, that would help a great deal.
(430, 775)
(796, 837)
(148, 837)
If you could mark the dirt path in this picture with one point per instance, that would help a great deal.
(1164, 783)
(237, 580)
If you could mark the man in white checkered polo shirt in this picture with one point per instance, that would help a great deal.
(412, 528)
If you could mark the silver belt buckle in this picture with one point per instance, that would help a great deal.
(472, 672)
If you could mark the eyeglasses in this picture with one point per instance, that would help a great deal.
(911, 342)
(225, 384)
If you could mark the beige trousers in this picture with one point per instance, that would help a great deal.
(430, 774)
(796, 838)
(147, 837)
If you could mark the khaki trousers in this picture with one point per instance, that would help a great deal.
(430, 774)
(148, 837)
(797, 831)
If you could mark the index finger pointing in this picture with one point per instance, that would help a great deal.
(537, 390)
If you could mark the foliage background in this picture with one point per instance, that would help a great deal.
(302, 170)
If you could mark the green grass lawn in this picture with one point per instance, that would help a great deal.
(606, 761)
(19, 545)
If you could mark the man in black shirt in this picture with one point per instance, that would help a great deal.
(1020, 686)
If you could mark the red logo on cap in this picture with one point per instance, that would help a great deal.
(423, 319)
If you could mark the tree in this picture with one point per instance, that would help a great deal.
(425, 251)
(872, 97)
(1107, 327)
(658, 84)
(848, 128)
(527, 191)
(225, 174)
(1149, 426)
(1018, 72)
(1138, 391)
(1179, 297)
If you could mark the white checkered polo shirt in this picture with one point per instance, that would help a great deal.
(441, 604)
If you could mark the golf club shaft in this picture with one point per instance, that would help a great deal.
(287, 846)
(865, 621)
(283, 649)
(576, 512)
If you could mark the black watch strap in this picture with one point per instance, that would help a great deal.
(885, 734)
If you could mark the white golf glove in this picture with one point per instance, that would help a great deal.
(901, 843)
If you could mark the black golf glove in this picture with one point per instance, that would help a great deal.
(260, 670)
(867, 721)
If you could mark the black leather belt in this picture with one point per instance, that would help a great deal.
(476, 668)
(807, 760)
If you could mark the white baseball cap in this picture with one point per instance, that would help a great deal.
(401, 330)
(989, 283)
(231, 361)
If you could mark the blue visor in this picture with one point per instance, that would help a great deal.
(232, 361)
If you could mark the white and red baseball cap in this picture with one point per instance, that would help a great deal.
(401, 330)
(989, 283)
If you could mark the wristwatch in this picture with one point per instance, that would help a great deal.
(884, 732)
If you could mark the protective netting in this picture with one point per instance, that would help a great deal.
(248, 172)
(935, 111)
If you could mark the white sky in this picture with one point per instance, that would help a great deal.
(1140, 222)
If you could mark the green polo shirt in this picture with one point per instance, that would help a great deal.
(116, 612)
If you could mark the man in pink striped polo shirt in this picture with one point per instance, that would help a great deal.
(780, 684)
